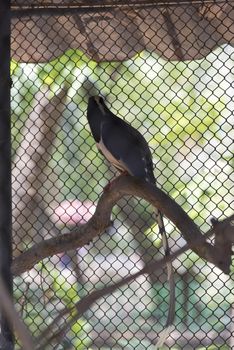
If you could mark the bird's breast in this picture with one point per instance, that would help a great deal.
(109, 156)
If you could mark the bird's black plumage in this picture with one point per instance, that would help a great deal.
(125, 148)
(119, 142)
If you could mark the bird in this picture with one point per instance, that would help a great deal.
(127, 150)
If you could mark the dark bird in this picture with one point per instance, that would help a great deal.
(127, 150)
(121, 144)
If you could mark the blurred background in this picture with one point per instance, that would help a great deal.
(184, 109)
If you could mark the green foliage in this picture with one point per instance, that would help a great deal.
(67, 293)
(177, 123)
(183, 116)
(36, 302)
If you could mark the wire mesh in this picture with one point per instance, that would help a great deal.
(184, 109)
(6, 339)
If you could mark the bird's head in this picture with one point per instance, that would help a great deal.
(97, 103)
(97, 113)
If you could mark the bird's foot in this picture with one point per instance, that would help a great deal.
(108, 186)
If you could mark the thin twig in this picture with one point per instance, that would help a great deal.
(49, 335)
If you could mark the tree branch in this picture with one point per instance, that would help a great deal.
(69, 315)
(55, 331)
(218, 254)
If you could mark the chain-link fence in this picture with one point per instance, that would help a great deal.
(168, 71)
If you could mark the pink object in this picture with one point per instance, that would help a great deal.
(74, 212)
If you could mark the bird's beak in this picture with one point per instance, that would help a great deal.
(97, 99)
(99, 103)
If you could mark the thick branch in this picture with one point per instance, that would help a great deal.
(126, 185)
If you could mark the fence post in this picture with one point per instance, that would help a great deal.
(6, 334)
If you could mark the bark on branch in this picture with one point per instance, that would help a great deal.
(219, 254)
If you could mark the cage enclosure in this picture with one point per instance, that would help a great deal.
(166, 68)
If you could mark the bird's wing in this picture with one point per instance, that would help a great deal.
(128, 148)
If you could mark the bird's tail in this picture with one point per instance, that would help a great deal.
(170, 278)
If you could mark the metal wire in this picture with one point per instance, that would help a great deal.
(185, 111)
